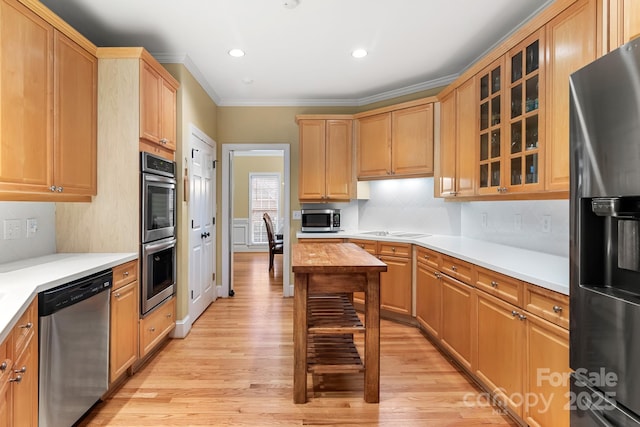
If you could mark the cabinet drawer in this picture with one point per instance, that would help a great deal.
(428, 257)
(26, 328)
(547, 304)
(370, 246)
(501, 286)
(394, 249)
(457, 268)
(156, 326)
(125, 273)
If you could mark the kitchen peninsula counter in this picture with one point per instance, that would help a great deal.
(538, 268)
(21, 281)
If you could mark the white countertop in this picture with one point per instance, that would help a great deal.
(545, 270)
(21, 281)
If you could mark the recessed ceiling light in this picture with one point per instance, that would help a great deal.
(247, 80)
(236, 53)
(359, 53)
(290, 4)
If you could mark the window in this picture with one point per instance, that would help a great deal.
(264, 196)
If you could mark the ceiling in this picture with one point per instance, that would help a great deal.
(302, 55)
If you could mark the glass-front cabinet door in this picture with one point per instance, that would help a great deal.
(525, 128)
(490, 100)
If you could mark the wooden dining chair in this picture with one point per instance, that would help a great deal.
(275, 246)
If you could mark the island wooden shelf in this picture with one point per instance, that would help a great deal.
(324, 320)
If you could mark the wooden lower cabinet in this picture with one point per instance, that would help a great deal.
(123, 349)
(428, 299)
(547, 374)
(25, 391)
(395, 285)
(5, 397)
(370, 246)
(500, 351)
(457, 319)
(156, 326)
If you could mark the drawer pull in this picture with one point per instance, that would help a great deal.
(126, 274)
(168, 315)
(393, 249)
(17, 379)
(3, 367)
(426, 257)
(438, 276)
(27, 326)
(152, 329)
(557, 309)
(20, 371)
(494, 283)
(514, 313)
(117, 295)
(522, 317)
(454, 268)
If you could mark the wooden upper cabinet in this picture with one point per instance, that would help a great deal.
(445, 172)
(624, 22)
(466, 157)
(76, 100)
(373, 150)
(26, 85)
(325, 160)
(48, 110)
(412, 140)
(157, 107)
(396, 141)
(571, 44)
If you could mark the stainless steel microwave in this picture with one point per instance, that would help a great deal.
(320, 220)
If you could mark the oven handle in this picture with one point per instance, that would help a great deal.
(150, 248)
(155, 178)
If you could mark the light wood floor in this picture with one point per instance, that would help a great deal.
(235, 368)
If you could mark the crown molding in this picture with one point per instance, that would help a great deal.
(184, 59)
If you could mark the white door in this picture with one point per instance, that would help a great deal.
(202, 257)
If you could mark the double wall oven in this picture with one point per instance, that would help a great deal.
(157, 225)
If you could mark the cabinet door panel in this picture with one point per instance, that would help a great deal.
(25, 392)
(395, 285)
(124, 329)
(311, 183)
(339, 175)
(501, 349)
(445, 179)
(466, 156)
(457, 309)
(428, 299)
(412, 140)
(150, 95)
(168, 117)
(26, 85)
(571, 44)
(75, 167)
(374, 146)
(547, 360)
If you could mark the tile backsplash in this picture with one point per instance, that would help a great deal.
(40, 241)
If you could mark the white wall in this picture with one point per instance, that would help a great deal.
(44, 240)
(502, 225)
(407, 205)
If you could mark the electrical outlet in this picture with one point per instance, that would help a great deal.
(546, 224)
(517, 222)
(12, 229)
(485, 220)
(297, 215)
(32, 227)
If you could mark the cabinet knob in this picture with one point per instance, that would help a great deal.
(494, 283)
(438, 276)
(17, 379)
(426, 257)
(164, 140)
(20, 371)
(454, 268)
(3, 367)
(125, 274)
(522, 317)
(514, 313)
(152, 329)
(27, 326)
(117, 294)
(60, 189)
(557, 309)
(52, 188)
(393, 249)
(169, 315)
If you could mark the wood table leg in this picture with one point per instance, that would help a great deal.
(300, 338)
(372, 339)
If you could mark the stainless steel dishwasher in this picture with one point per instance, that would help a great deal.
(74, 348)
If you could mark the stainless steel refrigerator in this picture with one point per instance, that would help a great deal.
(605, 240)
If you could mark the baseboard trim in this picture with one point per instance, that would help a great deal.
(182, 329)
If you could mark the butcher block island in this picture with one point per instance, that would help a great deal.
(324, 320)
